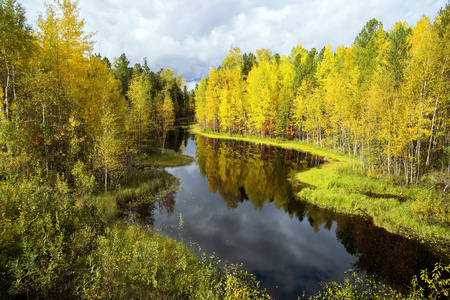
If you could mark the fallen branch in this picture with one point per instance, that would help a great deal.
(365, 214)
(445, 189)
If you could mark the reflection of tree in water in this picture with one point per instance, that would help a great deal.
(242, 171)
(177, 137)
(382, 254)
(142, 212)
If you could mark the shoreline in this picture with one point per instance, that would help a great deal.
(338, 187)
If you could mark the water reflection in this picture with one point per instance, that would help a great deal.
(244, 172)
(142, 211)
(238, 202)
(177, 138)
(390, 258)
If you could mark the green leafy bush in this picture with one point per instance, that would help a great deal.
(431, 286)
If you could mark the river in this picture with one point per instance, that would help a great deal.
(237, 202)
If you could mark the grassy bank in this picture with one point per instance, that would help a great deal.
(409, 211)
(304, 147)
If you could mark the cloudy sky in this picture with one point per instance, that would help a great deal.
(189, 36)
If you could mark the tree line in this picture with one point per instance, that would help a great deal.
(385, 99)
(62, 104)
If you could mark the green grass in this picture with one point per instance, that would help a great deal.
(399, 209)
(137, 187)
(153, 157)
(168, 160)
(408, 211)
(130, 263)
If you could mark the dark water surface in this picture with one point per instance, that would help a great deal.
(237, 201)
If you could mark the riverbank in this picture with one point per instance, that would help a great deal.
(414, 212)
(152, 265)
(64, 239)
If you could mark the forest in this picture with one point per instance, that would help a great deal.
(61, 104)
(385, 99)
(76, 129)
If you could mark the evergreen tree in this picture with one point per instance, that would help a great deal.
(123, 72)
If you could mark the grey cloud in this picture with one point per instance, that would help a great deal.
(190, 36)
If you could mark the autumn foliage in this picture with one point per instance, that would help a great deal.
(61, 104)
(384, 99)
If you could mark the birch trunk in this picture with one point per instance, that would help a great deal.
(106, 176)
(6, 113)
(45, 139)
(434, 117)
(164, 141)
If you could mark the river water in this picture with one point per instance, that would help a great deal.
(237, 202)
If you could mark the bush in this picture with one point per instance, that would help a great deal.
(435, 286)
(44, 238)
(433, 210)
(130, 263)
